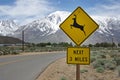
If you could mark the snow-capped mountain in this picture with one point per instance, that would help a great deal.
(39, 29)
(109, 29)
(7, 27)
(108, 25)
(47, 29)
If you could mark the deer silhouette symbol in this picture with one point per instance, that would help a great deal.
(76, 25)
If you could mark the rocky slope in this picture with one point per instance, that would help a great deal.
(47, 29)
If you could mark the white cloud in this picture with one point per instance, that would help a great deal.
(22, 9)
(112, 8)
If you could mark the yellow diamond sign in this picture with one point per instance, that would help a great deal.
(79, 26)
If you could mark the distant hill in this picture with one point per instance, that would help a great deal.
(47, 29)
(9, 40)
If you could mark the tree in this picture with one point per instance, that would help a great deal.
(97, 45)
(41, 44)
(71, 44)
(119, 44)
(54, 44)
(90, 45)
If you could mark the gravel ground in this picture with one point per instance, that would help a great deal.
(59, 70)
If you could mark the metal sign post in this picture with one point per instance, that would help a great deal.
(78, 55)
(77, 72)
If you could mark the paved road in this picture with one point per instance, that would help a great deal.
(26, 67)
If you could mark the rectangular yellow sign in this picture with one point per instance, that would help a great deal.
(77, 55)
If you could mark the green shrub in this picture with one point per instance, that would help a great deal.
(110, 65)
(101, 55)
(118, 69)
(119, 50)
(99, 63)
(117, 60)
(8, 50)
(63, 78)
(92, 59)
(15, 53)
(106, 64)
(100, 69)
(83, 70)
(115, 54)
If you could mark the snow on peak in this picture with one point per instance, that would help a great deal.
(7, 27)
(40, 30)
(107, 24)
(57, 17)
(49, 24)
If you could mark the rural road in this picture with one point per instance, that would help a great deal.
(26, 67)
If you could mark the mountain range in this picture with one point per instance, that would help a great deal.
(8, 27)
(47, 29)
(9, 40)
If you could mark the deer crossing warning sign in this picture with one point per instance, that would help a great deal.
(79, 26)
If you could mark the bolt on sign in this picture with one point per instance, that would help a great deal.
(79, 26)
(77, 55)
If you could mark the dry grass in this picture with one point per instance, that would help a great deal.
(59, 70)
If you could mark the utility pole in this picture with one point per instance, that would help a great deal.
(23, 40)
(113, 44)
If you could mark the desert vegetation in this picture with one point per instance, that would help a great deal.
(106, 59)
(4, 50)
(10, 49)
(104, 65)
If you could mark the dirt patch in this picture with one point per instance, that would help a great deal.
(59, 70)
(32, 53)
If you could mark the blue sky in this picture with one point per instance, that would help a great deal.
(25, 11)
